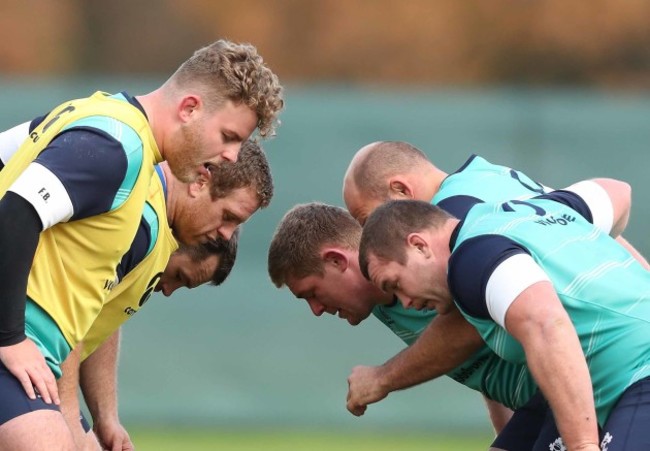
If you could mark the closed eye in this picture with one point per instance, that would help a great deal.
(231, 217)
(231, 137)
(389, 287)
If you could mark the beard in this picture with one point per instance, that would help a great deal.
(186, 157)
(184, 228)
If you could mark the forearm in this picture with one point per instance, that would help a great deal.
(538, 320)
(433, 354)
(68, 385)
(563, 377)
(98, 377)
(20, 227)
(447, 342)
(99, 385)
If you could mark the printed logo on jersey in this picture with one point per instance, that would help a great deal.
(34, 136)
(530, 184)
(552, 220)
(466, 372)
(146, 295)
(150, 287)
(514, 205)
(110, 284)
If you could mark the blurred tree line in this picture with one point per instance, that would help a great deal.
(458, 42)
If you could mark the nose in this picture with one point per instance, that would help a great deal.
(231, 152)
(168, 288)
(204, 171)
(316, 307)
(406, 301)
(226, 231)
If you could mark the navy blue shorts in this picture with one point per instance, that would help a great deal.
(627, 428)
(549, 436)
(15, 401)
(524, 427)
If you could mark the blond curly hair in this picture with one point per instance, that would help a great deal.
(225, 70)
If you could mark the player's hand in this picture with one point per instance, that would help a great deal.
(113, 436)
(364, 387)
(27, 364)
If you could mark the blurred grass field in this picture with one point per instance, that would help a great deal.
(282, 440)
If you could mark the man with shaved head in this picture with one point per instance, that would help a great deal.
(397, 170)
(388, 170)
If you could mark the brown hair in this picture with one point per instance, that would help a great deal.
(226, 70)
(302, 233)
(385, 233)
(226, 250)
(250, 170)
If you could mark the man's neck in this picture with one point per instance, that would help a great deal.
(434, 179)
(445, 236)
(153, 104)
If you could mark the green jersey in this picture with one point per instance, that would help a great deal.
(476, 181)
(602, 287)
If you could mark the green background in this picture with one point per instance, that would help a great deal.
(248, 355)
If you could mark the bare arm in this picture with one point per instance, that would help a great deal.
(68, 390)
(556, 360)
(99, 387)
(446, 343)
(68, 384)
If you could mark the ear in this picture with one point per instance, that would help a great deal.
(400, 188)
(417, 241)
(201, 184)
(189, 106)
(336, 258)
